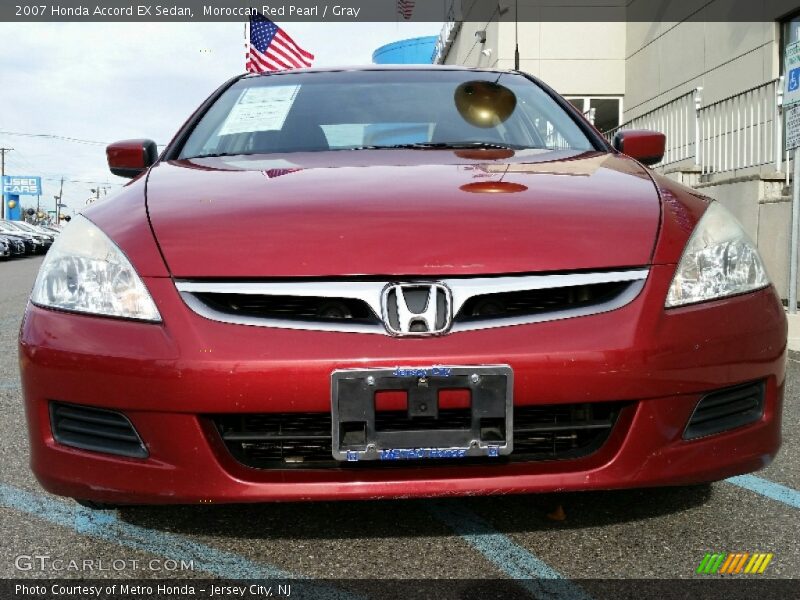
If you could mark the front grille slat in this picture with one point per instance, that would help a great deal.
(95, 429)
(269, 437)
(735, 395)
(566, 427)
(303, 440)
(290, 307)
(91, 429)
(100, 418)
(534, 302)
(726, 409)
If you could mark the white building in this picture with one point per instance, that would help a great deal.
(713, 87)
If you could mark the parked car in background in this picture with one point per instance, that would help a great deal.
(45, 229)
(15, 244)
(33, 228)
(5, 248)
(32, 244)
(44, 240)
(289, 303)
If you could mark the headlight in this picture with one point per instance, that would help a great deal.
(719, 260)
(85, 272)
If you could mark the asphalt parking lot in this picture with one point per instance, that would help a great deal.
(661, 533)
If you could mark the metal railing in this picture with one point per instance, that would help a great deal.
(740, 131)
(743, 130)
(677, 119)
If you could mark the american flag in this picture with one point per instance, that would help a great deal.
(271, 48)
(405, 8)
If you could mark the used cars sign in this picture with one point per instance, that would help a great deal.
(19, 186)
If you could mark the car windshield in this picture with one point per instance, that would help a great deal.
(10, 226)
(352, 110)
(32, 228)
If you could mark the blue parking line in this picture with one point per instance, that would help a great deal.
(770, 489)
(107, 526)
(10, 385)
(531, 572)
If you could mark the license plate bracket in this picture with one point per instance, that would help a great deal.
(485, 428)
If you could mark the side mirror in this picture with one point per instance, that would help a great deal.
(645, 146)
(129, 158)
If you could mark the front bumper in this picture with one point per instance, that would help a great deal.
(166, 378)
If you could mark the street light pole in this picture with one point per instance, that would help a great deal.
(2, 174)
(58, 202)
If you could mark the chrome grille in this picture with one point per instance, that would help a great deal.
(355, 305)
(534, 302)
(303, 308)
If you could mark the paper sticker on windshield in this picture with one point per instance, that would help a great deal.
(260, 109)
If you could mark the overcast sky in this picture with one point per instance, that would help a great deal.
(112, 81)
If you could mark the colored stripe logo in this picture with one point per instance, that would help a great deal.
(734, 563)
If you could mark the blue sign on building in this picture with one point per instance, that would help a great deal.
(16, 185)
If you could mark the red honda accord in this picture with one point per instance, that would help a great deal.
(394, 282)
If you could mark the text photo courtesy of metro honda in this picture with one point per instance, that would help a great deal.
(448, 283)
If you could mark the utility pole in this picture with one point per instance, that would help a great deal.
(3, 172)
(58, 202)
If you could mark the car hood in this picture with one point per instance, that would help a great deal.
(18, 236)
(409, 213)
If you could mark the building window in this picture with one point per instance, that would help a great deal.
(607, 110)
(790, 33)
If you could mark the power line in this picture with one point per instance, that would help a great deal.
(20, 156)
(28, 165)
(63, 138)
(94, 181)
(53, 177)
(51, 136)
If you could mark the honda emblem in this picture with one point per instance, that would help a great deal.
(416, 309)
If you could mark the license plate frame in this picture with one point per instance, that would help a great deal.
(355, 436)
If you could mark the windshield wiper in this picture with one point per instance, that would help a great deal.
(411, 146)
(444, 146)
(216, 154)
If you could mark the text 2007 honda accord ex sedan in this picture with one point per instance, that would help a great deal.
(385, 282)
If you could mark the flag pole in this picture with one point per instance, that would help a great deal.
(246, 44)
